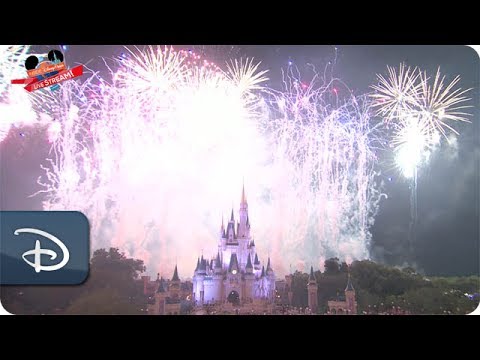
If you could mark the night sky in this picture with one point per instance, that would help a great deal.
(447, 240)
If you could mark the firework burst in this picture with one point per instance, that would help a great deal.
(15, 107)
(398, 93)
(418, 111)
(163, 146)
(439, 103)
(324, 181)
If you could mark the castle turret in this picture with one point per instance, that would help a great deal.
(242, 225)
(198, 265)
(256, 263)
(174, 287)
(350, 297)
(218, 264)
(249, 280)
(269, 268)
(234, 268)
(202, 268)
(271, 280)
(249, 266)
(175, 277)
(230, 233)
(312, 292)
(222, 230)
(160, 298)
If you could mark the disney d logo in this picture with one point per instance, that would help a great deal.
(38, 251)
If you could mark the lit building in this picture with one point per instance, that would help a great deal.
(312, 288)
(165, 297)
(347, 305)
(235, 274)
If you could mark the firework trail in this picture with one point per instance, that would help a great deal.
(419, 112)
(155, 156)
(15, 109)
(324, 158)
(159, 155)
(19, 108)
(220, 54)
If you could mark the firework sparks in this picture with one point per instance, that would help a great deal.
(169, 140)
(325, 183)
(15, 108)
(439, 103)
(398, 93)
(19, 108)
(418, 111)
(159, 155)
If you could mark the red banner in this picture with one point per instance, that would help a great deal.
(33, 84)
(61, 76)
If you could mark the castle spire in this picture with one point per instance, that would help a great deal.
(249, 263)
(218, 263)
(161, 286)
(231, 217)
(244, 199)
(269, 268)
(175, 275)
(311, 278)
(233, 268)
(349, 284)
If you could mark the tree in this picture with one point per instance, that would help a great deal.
(113, 269)
(299, 289)
(113, 278)
(332, 266)
(102, 301)
(118, 275)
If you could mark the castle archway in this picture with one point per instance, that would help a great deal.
(233, 297)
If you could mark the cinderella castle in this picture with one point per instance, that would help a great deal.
(235, 275)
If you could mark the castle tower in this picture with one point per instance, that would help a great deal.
(217, 279)
(249, 280)
(312, 292)
(256, 263)
(350, 297)
(174, 287)
(235, 275)
(160, 297)
(222, 230)
(230, 233)
(271, 280)
(242, 228)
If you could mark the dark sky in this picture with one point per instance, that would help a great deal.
(447, 241)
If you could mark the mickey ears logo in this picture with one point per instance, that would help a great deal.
(54, 56)
(43, 73)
